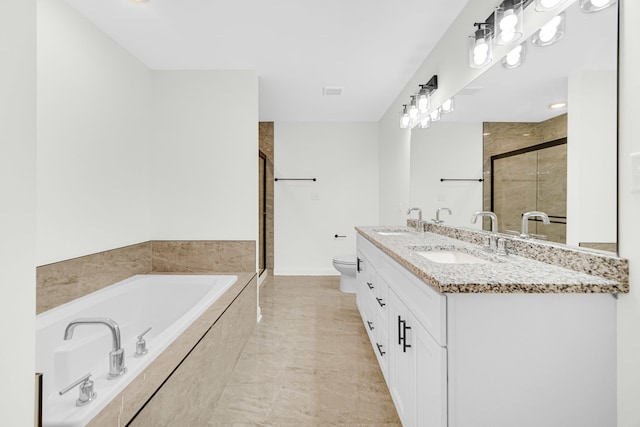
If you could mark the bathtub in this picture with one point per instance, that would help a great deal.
(166, 303)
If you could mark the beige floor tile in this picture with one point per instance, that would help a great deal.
(308, 363)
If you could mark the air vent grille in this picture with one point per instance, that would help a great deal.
(332, 90)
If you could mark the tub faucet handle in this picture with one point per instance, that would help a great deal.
(141, 344)
(87, 394)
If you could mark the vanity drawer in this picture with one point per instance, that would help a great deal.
(427, 305)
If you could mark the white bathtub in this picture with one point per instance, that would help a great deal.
(167, 303)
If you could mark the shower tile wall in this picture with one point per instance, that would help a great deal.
(64, 281)
(518, 194)
(266, 144)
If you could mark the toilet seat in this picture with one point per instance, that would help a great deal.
(345, 260)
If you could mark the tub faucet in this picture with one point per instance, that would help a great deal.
(116, 356)
(491, 242)
(438, 220)
(524, 232)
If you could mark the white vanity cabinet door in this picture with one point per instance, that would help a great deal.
(417, 369)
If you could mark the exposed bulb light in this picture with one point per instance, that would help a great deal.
(509, 19)
(550, 32)
(595, 5)
(413, 109)
(425, 122)
(435, 115)
(405, 120)
(480, 52)
(558, 105)
(544, 5)
(515, 57)
(423, 99)
(447, 106)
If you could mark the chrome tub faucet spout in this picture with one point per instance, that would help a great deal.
(116, 355)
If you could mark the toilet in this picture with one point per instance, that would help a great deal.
(346, 265)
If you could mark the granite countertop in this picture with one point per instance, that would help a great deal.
(500, 274)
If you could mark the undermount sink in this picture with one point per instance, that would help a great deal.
(452, 257)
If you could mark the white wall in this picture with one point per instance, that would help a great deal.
(447, 150)
(591, 130)
(628, 216)
(93, 139)
(344, 159)
(205, 155)
(17, 215)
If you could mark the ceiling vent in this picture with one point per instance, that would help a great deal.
(332, 90)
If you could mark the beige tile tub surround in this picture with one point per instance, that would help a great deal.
(64, 281)
(195, 366)
(202, 256)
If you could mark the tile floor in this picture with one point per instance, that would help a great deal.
(308, 363)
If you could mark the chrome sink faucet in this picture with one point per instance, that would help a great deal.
(420, 225)
(116, 355)
(490, 244)
(438, 220)
(524, 232)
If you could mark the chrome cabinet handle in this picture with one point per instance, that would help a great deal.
(402, 334)
(382, 353)
(370, 285)
(358, 269)
(382, 304)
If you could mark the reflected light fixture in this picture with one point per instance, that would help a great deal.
(595, 5)
(509, 26)
(435, 115)
(413, 109)
(550, 32)
(425, 122)
(544, 5)
(480, 50)
(405, 121)
(448, 106)
(515, 57)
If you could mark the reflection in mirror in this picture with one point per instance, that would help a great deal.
(508, 109)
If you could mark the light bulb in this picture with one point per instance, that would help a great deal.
(551, 32)
(435, 115)
(599, 3)
(513, 57)
(447, 106)
(423, 103)
(549, 3)
(425, 122)
(404, 121)
(480, 52)
(508, 21)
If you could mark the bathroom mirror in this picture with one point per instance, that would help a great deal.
(506, 110)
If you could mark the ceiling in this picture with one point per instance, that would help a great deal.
(371, 48)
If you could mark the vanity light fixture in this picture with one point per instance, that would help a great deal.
(515, 57)
(423, 99)
(550, 32)
(405, 120)
(544, 5)
(447, 107)
(595, 5)
(480, 49)
(509, 26)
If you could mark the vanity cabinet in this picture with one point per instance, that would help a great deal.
(489, 359)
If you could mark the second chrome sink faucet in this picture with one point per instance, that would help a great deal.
(492, 243)
(420, 224)
(116, 355)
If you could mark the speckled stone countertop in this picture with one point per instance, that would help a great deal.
(501, 274)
